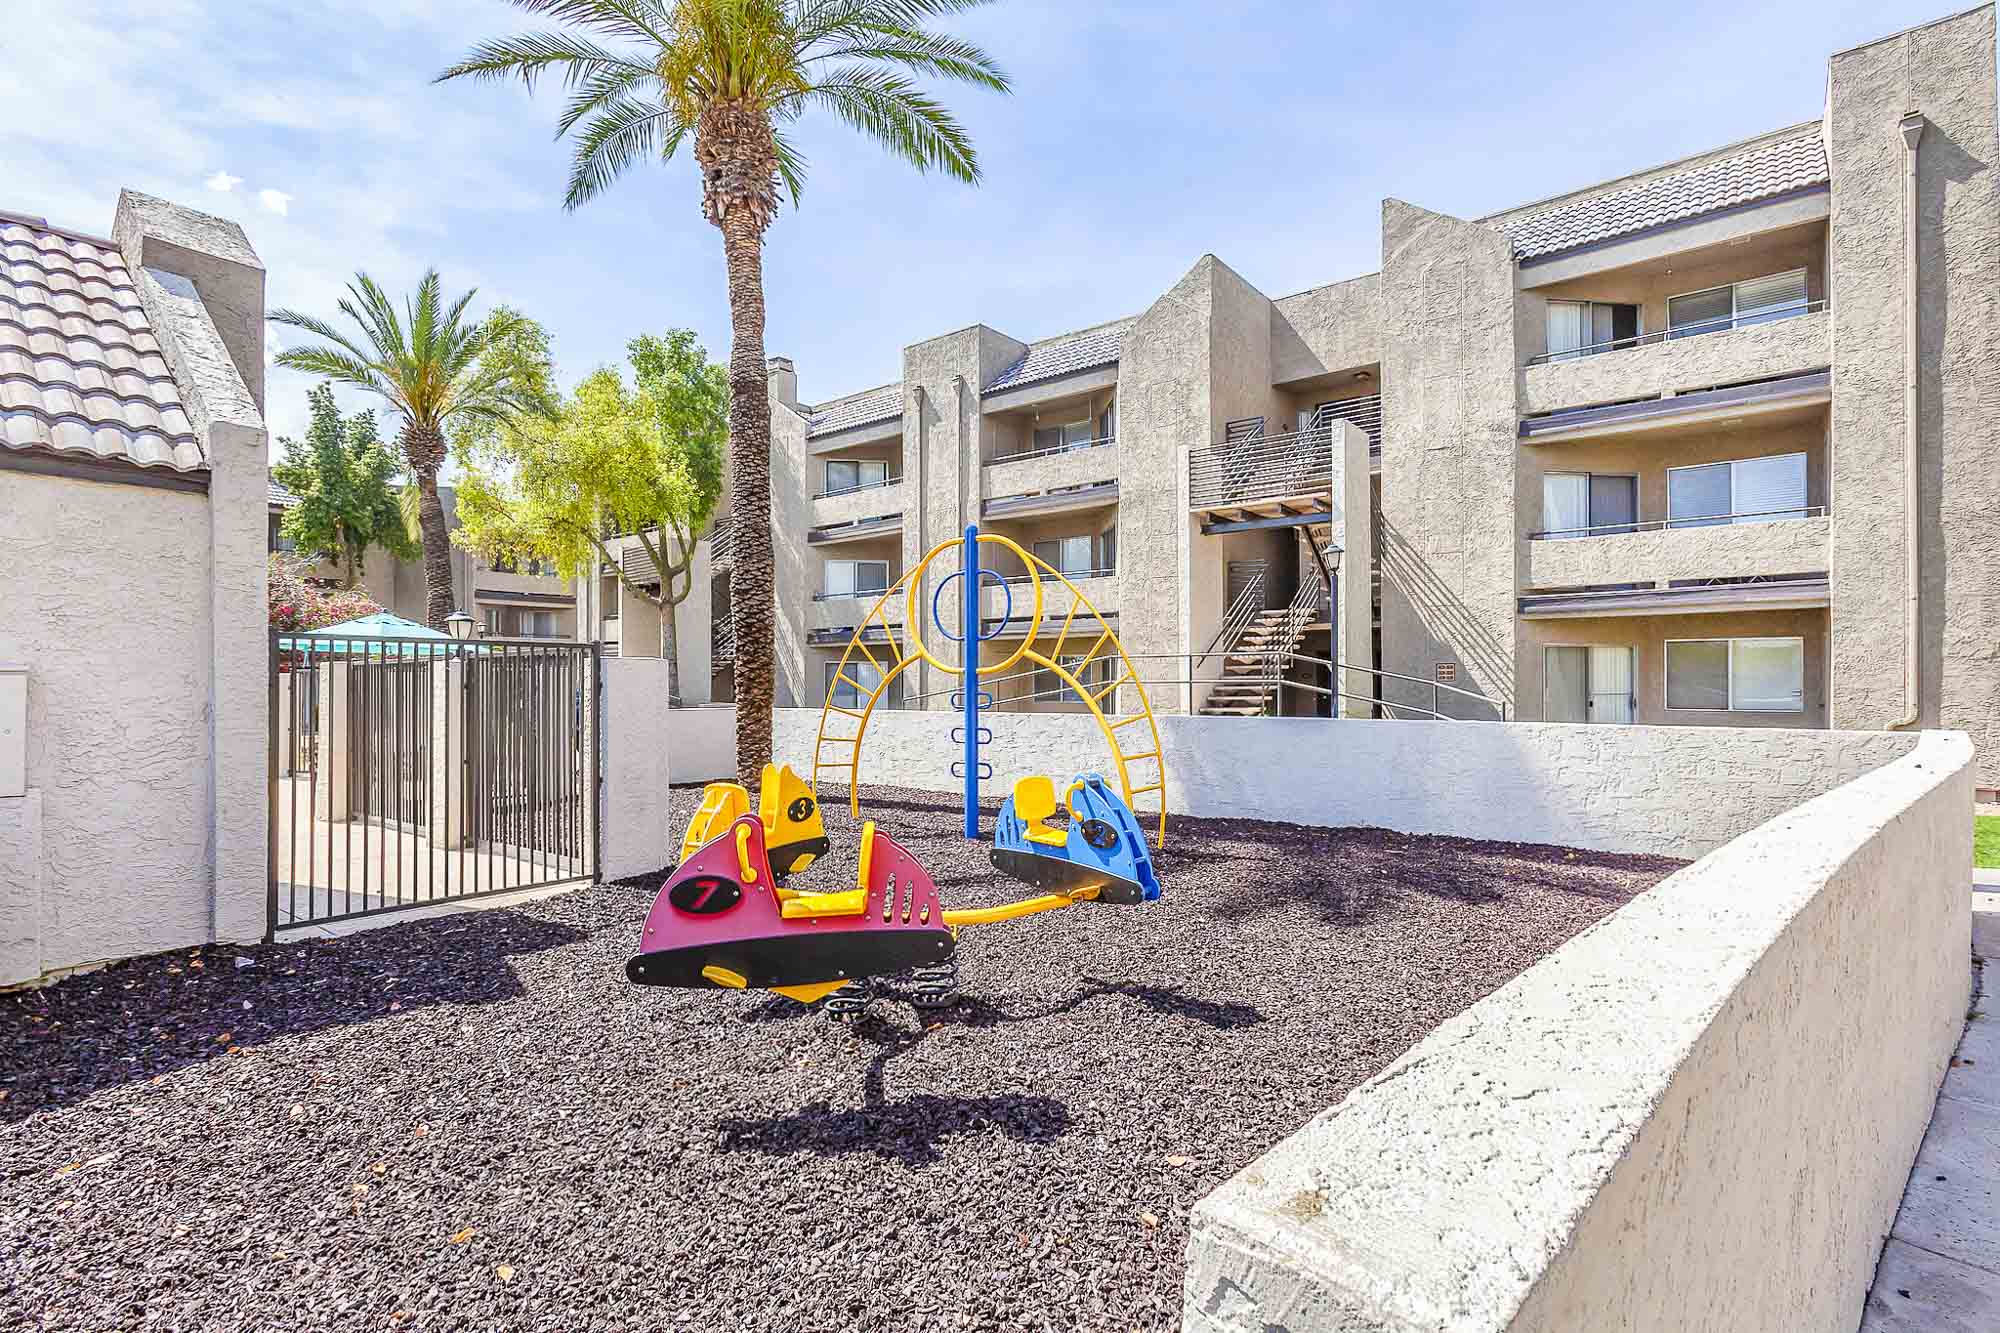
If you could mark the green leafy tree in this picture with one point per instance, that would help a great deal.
(727, 78)
(342, 475)
(430, 364)
(645, 461)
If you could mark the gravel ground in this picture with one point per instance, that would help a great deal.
(475, 1123)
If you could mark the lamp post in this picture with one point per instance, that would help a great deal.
(458, 625)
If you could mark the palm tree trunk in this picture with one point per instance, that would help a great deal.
(752, 597)
(438, 598)
(670, 649)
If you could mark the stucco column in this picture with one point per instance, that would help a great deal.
(1354, 533)
(332, 798)
(693, 630)
(449, 799)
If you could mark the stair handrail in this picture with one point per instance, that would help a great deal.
(1236, 620)
(1297, 615)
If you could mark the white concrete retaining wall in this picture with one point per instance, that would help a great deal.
(634, 755)
(1676, 791)
(1697, 1114)
(702, 744)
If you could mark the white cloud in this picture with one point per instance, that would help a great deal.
(275, 201)
(223, 182)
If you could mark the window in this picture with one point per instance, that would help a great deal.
(1586, 504)
(545, 624)
(1578, 328)
(1107, 550)
(1070, 555)
(1587, 684)
(852, 688)
(1737, 675)
(1754, 301)
(855, 578)
(1050, 688)
(1078, 434)
(853, 473)
(1749, 490)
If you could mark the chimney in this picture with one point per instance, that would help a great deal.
(784, 379)
(214, 255)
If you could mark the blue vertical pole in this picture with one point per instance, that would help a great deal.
(969, 597)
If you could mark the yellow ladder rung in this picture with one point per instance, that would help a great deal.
(1108, 689)
(1160, 787)
(844, 712)
(1135, 758)
(1136, 717)
(859, 688)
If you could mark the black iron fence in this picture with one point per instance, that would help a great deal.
(412, 771)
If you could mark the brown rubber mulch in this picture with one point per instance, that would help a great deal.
(476, 1123)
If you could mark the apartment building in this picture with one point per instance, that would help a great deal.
(1710, 444)
(507, 603)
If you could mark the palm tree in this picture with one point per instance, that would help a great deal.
(433, 374)
(731, 75)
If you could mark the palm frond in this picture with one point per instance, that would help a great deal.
(791, 165)
(529, 55)
(595, 89)
(641, 20)
(922, 53)
(318, 328)
(341, 367)
(892, 110)
(625, 131)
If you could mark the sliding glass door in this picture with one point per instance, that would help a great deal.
(1587, 684)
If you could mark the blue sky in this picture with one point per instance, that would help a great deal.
(1139, 136)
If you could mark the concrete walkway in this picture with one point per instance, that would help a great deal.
(1940, 1270)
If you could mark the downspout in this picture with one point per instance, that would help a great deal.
(1912, 126)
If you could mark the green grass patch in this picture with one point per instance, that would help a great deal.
(1986, 841)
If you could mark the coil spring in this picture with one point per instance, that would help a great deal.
(846, 1004)
(935, 987)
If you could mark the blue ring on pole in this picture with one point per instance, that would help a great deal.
(1006, 617)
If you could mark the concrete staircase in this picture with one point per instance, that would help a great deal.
(1248, 685)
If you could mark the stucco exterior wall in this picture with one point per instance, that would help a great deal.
(852, 505)
(1676, 791)
(1733, 550)
(1327, 329)
(1029, 476)
(120, 700)
(1945, 72)
(1448, 546)
(635, 757)
(1700, 1113)
(1729, 356)
(1648, 635)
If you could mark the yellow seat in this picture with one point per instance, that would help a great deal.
(722, 804)
(846, 902)
(1035, 801)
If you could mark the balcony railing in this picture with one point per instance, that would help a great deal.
(858, 594)
(1071, 574)
(1049, 451)
(1719, 324)
(863, 486)
(1662, 524)
(722, 638)
(1255, 466)
(722, 542)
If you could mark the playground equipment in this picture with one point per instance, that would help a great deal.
(1140, 771)
(725, 919)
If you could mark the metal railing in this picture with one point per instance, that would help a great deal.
(1103, 573)
(1662, 524)
(854, 595)
(722, 542)
(1719, 324)
(860, 486)
(1259, 466)
(1242, 610)
(722, 638)
(1022, 455)
(1388, 707)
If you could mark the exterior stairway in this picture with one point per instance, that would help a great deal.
(1248, 685)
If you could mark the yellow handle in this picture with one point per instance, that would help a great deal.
(1069, 797)
(743, 854)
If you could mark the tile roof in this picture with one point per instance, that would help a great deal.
(1762, 171)
(81, 371)
(280, 497)
(859, 409)
(1086, 349)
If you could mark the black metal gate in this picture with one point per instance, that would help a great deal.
(411, 771)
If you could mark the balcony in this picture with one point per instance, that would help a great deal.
(1060, 500)
(1662, 554)
(1063, 467)
(860, 528)
(1674, 361)
(608, 635)
(1099, 586)
(1254, 479)
(833, 508)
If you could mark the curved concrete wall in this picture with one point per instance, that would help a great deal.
(1699, 1113)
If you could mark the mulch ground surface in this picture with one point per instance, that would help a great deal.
(475, 1123)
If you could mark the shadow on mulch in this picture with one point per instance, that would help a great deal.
(150, 1016)
(911, 1130)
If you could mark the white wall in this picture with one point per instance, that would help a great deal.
(1699, 1113)
(633, 838)
(114, 628)
(1676, 791)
